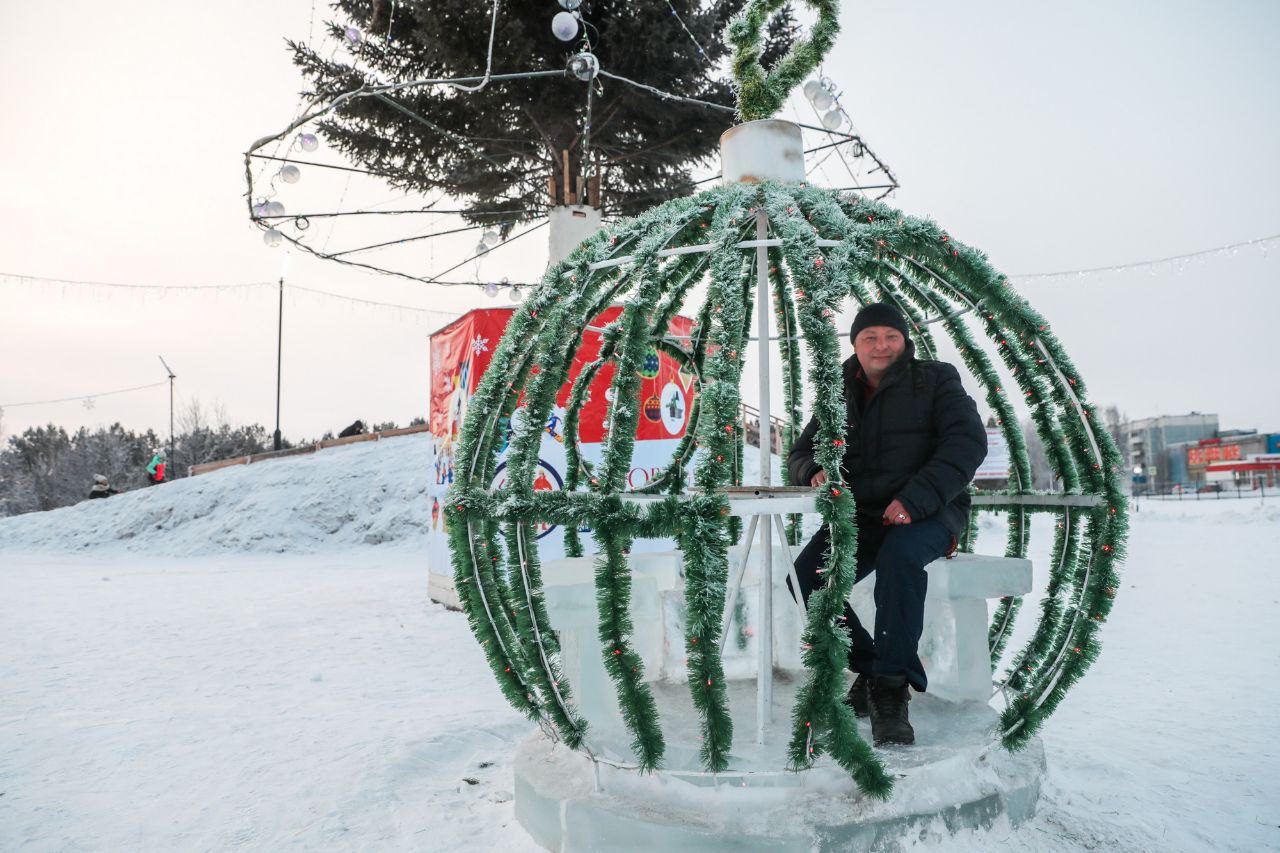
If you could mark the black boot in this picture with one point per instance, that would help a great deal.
(859, 697)
(889, 697)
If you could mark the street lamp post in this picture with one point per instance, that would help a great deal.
(172, 376)
(284, 268)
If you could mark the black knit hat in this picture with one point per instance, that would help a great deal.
(879, 314)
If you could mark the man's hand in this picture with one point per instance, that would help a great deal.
(895, 513)
(818, 479)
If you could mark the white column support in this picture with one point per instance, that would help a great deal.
(731, 599)
(781, 527)
(764, 645)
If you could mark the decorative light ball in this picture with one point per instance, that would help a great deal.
(491, 290)
(290, 174)
(823, 99)
(811, 89)
(308, 141)
(482, 248)
(262, 208)
(275, 208)
(515, 294)
(584, 67)
(491, 237)
(833, 119)
(272, 237)
(564, 26)
(352, 34)
(570, 4)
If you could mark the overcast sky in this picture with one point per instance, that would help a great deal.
(1052, 136)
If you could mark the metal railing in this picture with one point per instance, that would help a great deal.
(751, 429)
(1224, 491)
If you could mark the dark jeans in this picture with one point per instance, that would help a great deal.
(897, 554)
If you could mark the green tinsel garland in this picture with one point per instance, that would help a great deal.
(761, 94)
(908, 260)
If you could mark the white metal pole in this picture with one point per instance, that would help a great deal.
(731, 598)
(764, 672)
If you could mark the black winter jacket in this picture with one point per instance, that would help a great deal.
(919, 439)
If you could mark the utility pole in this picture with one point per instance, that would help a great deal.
(172, 376)
(284, 268)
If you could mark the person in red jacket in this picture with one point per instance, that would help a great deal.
(155, 470)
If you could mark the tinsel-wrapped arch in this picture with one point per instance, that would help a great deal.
(831, 248)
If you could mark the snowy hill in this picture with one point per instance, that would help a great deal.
(359, 494)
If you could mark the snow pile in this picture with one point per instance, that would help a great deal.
(366, 493)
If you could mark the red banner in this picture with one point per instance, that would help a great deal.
(461, 352)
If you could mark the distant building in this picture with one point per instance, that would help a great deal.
(1235, 459)
(1151, 438)
(1174, 453)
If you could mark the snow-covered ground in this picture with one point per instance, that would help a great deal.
(169, 683)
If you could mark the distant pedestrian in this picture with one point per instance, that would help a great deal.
(356, 428)
(155, 470)
(101, 488)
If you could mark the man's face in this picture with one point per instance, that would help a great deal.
(878, 347)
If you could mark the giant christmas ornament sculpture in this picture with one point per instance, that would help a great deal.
(812, 249)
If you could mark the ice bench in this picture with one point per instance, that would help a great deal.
(953, 645)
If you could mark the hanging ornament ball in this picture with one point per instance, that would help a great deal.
(275, 208)
(491, 237)
(564, 26)
(515, 294)
(653, 408)
(651, 364)
(822, 99)
(811, 89)
(491, 290)
(584, 67)
(262, 208)
(570, 4)
(482, 248)
(308, 141)
(352, 34)
(832, 119)
(290, 174)
(272, 237)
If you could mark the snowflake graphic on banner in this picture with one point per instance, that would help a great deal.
(479, 345)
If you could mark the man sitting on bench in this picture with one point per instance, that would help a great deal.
(914, 440)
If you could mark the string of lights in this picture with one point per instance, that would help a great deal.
(685, 27)
(83, 397)
(20, 278)
(15, 278)
(374, 303)
(1261, 242)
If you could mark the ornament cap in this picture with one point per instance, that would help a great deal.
(766, 150)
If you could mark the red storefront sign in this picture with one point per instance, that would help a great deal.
(1212, 453)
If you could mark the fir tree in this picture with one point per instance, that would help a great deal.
(498, 149)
